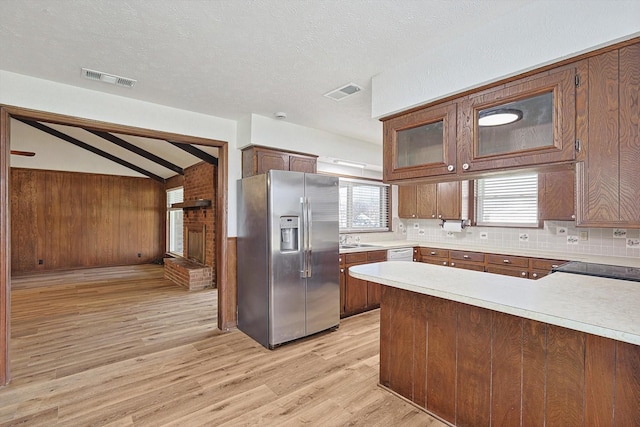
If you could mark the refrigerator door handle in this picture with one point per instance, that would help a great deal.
(308, 232)
(303, 240)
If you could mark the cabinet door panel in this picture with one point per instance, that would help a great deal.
(426, 200)
(630, 134)
(449, 198)
(373, 294)
(302, 164)
(556, 195)
(421, 143)
(407, 201)
(355, 294)
(272, 160)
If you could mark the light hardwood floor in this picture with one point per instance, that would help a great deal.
(122, 347)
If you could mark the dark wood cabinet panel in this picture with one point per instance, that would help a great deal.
(600, 358)
(429, 201)
(441, 358)
(401, 374)
(506, 375)
(466, 256)
(449, 200)
(420, 326)
(556, 195)
(534, 372)
(565, 377)
(426, 200)
(608, 124)
(257, 160)
(508, 271)
(387, 294)
(467, 265)
(355, 295)
(407, 207)
(360, 295)
(508, 260)
(629, 121)
(473, 377)
(373, 294)
(627, 397)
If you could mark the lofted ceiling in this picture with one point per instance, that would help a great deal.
(231, 58)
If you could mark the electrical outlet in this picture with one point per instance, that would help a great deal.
(416, 225)
(561, 231)
(451, 234)
(523, 237)
(421, 232)
(572, 240)
(484, 235)
(584, 235)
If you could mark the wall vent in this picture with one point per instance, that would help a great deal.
(343, 92)
(108, 78)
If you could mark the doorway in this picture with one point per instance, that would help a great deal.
(225, 315)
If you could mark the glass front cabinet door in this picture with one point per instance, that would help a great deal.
(421, 143)
(525, 123)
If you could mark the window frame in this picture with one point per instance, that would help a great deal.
(386, 215)
(168, 222)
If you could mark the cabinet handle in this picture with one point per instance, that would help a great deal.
(433, 215)
(433, 253)
(524, 273)
(444, 262)
(573, 217)
(506, 261)
(413, 215)
(415, 251)
(465, 166)
(451, 168)
(453, 264)
(554, 265)
(342, 270)
(535, 275)
(465, 256)
(440, 216)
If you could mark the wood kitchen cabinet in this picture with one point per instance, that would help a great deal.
(544, 133)
(508, 265)
(608, 128)
(257, 160)
(466, 260)
(421, 143)
(360, 295)
(430, 201)
(556, 195)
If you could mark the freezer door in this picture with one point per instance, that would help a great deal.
(286, 284)
(323, 282)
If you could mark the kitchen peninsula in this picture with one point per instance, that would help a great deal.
(476, 348)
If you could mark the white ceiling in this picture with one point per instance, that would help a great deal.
(231, 58)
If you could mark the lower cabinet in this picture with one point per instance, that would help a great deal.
(506, 265)
(359, 295)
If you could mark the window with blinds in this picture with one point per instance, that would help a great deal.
(364, 206)
(175, 227)
(508, 201)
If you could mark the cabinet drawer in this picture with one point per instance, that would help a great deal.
(375, 256)
(506, 271)
(356, 257)
(538, 274)
(545, 264)
(467, 256)
(434, 260)
(434, 252)
(508, 260)
(467, 265)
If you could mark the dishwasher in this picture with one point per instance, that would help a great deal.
(400, 254)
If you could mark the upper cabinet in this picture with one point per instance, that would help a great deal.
(257, 160)
(608, 128)
(421, 143)
(466, 135)
(524, 123)
(431, 201)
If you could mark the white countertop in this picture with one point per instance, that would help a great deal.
(604, 307)
(599, 259)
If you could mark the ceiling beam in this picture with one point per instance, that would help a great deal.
(137, 150)
(90, 148)
(202, 155)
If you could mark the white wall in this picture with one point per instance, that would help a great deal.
(525, 38)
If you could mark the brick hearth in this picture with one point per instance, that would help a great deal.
(189, 274)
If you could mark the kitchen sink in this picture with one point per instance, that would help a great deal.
(355, 246)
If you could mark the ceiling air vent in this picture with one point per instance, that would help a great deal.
(108, 78)
(344, 91)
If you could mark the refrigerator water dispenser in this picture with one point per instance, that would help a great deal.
(289, 226)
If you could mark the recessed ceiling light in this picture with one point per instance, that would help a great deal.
(343, 91)
(108, 78)
(498, 117)
(348, 163)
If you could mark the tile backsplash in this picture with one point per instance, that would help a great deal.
(556, 236)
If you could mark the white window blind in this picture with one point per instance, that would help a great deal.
(175, 227)
(364, 206)
(509, 201)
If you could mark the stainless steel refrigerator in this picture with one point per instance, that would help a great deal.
(288, 279)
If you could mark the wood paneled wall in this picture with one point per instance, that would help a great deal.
(477, 367)
(73, 220)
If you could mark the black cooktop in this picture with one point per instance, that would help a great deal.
(600, 270)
